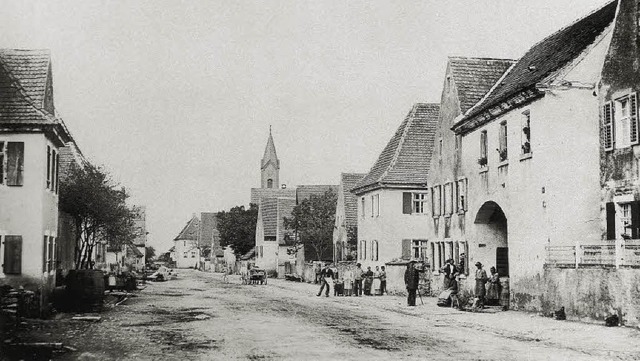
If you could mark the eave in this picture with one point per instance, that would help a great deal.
(382, 185)
(56, 132)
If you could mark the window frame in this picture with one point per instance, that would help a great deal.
(525, 141)
(419, 201)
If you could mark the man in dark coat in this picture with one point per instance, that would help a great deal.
(325, 275)
(411, 281)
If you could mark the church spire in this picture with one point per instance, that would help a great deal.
(270, 165)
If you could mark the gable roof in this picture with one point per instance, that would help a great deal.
(190, 230)
(285, 207)
(22, 94)
(405, 160)
(269, 215)
(348, 181)
(474, 77)
(31, 68)
(306, 191)
(546, 57)
(208, 224)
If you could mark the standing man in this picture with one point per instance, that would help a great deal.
(357, 285)
(383, 281)
(411, 281)
(325, 276)
(480, 290)
(449, 272)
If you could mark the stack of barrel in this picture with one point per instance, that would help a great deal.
(85, 290)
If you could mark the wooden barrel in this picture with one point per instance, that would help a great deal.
(86, 289)
(504, 293)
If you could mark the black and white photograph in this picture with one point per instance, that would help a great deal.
(319, 180)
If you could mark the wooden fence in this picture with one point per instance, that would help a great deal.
(621, 253)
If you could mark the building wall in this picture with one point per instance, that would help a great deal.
(549, 197)
(188, 246)
(270, 172)
(389, 228)
(340, 228)
(30, 210)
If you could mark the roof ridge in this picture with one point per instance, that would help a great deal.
(493, 87)
(479, 58)
(409, 119)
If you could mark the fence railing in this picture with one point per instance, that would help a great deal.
(621, 253)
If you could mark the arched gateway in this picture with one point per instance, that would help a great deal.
(492, 241)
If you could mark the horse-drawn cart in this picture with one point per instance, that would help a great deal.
(255, 276)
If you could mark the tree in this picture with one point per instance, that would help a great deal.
(312, 222)
(98, 207)
(237, 228)
(149, 253)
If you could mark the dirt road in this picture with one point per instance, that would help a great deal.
(198, 317)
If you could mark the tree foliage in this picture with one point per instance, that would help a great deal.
(98, 207)
(312, 222)
(149, 253)
(237, 228)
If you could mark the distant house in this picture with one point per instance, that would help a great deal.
(393, 196)
(30, 140)
(346, 217)
(187, 251)
(209, 240)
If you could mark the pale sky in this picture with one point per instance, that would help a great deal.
(175, 98)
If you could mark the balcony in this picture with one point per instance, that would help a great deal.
(619, 254)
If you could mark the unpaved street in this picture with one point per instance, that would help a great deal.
(199, 317)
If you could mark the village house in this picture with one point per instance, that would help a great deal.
(30, 140)
(539, 178)
(466, 81)
(186, 250)
(393, 197)
(346, 225)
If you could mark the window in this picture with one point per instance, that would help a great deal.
(186, 254)
(269, 183)
(444, 250)
(440, 147)
(419, 203)
(483, 161)
(620, 122)
(48, 167)
(458, 142)
(14, 155)
(374, 250)
(502, 151)
(625, 219)
(12, 255)
(526, 133)
(375, 205)
(436, 200)
(2, 150)
(461, 195)
(193, 254)
(363, 250)
(363, 206)
(419, 249)
(448, 199)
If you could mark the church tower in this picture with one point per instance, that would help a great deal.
(270, 165)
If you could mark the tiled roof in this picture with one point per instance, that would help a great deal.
(269, 216)
(249, 255)
(208, 224)
(306, 191)
(348, 181)
(259, 193)
(546, 57)
(69, 155)
(190, 230)
(474, 77)
(405, 160)
(285, 207)
(133, 249)
(31, 68)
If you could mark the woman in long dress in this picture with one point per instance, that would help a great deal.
(347, 276)
(480, 290)
(376, 282)
(493, 288)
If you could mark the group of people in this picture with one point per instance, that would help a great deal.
(354, 282)
(487, 288)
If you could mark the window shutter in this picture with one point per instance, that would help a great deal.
(15, 163)
(611, 220)
(608, 129)
(1, 162)
(633, 119)
(45, 247)
(57, 172)
(406, 249)
(635, 219)
(12, 255)
(52, 259)
(406, 202)
(48, 166)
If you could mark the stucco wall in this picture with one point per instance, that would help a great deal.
(390, 228)
(30, 210)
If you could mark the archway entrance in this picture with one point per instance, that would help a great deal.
(493, 246)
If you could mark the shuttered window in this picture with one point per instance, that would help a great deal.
(607, 119)
(1, 162)
(54, 155)
(461, 195)
(48, 167)
(363, 250)
(57, 172)
(406, 249)
(12, 263)
(483, 144)
(45, 249)
(15, 163)
(633, 118)
(406, 202)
